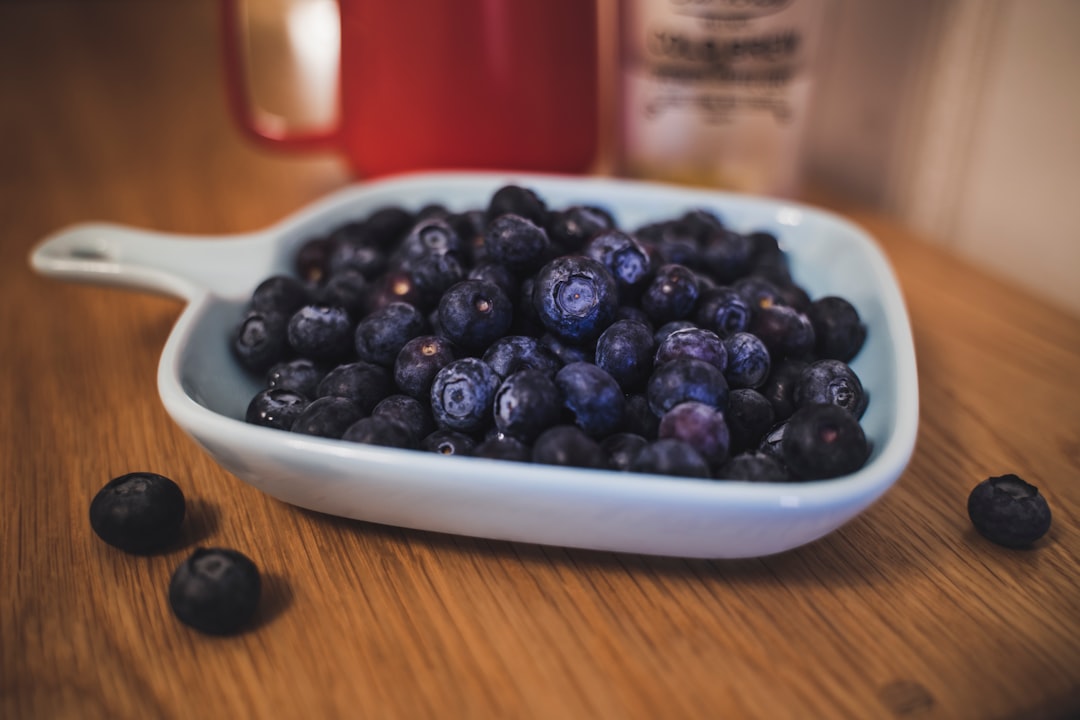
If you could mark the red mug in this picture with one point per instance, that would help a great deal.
(448, 84)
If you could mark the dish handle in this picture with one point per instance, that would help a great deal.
(183, 267)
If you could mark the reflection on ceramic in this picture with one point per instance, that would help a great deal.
(206, 393)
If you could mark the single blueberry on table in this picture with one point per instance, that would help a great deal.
(260, 340)
(831, 381)
(839, 332)
(568, 445)
(418, 361)
(448, 442)
(575, 298)
(361, 383)
(693, 343)
(668, 456)
(380, 336)
(700, 426)
(516, 243)
(463, 394)
(140, 512)
(672, 294)
(748, 360)
(321, 332)
(1009, 511)
(327, 417)
(527, 403)
(823, 441)
(473, 314)
(686, 379)
(275, 408)
(625, 351)
(592, 396)
(215, 591)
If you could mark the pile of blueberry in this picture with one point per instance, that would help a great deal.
(551, 335)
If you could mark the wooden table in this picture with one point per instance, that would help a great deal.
(113, 111)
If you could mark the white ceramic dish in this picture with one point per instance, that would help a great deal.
(206, 393)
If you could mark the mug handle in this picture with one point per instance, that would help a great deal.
(251, 121)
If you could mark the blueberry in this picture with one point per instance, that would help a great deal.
(139, 512)
(519, 244)
(575, 298)
(661, 333)
(1009, 511)
(527, 403)
(823, 441)
(621, 448)
(625, 351)
(700, 426)
(499, 275)
(503, 447)
(260, 340)
(397, 285)
(354, 258)
(215, 591)
(408, 412)
(757, 291)
(312, 261)
(379, 431)
(693, 343)
(831, 381)
(753, 467)
(669, 456)
(779, 388)
(574, 226)
(624, 257)
(511, 353)
(430, 275)
(430, 236)
(418, 361)
(724, 311)
(566, 352)
(568, 445)
(632, 312)
(772, 443)
(517, 200)
(321, 332)
(463, 394)
(686, 379)
(300, 375)
(347, 289)
(784, 330)
(327, 417)
(380, 336)
(638, 417)
(473, 314)
(361, 383)
(769, 260)
(838, 330)
(448, 442)
(281, 295)
(748, 360)
(275, 408)
(672, 294)
(701, 224)
(749, 416)
(386, 226)
(592, 396)
(727, 256)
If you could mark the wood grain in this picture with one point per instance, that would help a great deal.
(113, 111)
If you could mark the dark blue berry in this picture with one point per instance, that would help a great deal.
(700, 426)
(361, 383)
(431, 236)
(566, 352)
(260, 340)
(321, 332)
(503, 447)
(355, 258)
(499, 275)
(527, 403)
(408, 412)
(823, 441)
(448, 442)
(347, 289)
(473, 314)
(327, 417)
(624, 257)
(517, 200)
(621, 448)
(300, 375)
(380, 336)
(638, 417)
(784, 330)
(831, 381)
(511, 353)
(215, 591)
(672, 294)
(517, 243)
(839, 332)
(575, 298)
(669, 456)
(625, 351)
(576, 225)
(749, 416)
(430, 275)
(779, 388)
(275, 408)
(312, 261)
(753, 467)
(1009, 511)
(693, 343)
(592, 396)
(686, 379)
(281, 295)
(727, 256)
(462, 395)
(139, 512)
(568, 445)
(418, 362)
(724, 311)
(748, 360)
(661, 333)
(379, 431)
(757, 291)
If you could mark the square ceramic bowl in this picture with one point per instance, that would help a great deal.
(206, 392)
